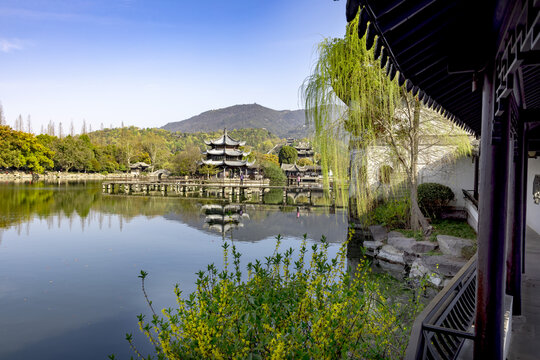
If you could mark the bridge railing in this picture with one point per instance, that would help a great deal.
(440, 331)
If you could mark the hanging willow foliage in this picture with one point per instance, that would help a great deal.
(355, 107)
(345, 91)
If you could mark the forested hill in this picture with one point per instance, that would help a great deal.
(284, 123)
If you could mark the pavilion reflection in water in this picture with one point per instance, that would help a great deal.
(224, 218)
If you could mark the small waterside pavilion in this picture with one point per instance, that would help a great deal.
(478, 63)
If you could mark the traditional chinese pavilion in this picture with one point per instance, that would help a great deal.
(226, 154)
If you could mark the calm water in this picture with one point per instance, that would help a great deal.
(69, 260)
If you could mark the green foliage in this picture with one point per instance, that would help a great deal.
(208, 170)
(113, 150)
(456, 228)
(433, 197)
(304, 162)
(269, 158)
(20, 150)
(385, 173)
(274, 173)
(393, 213)
(286, 308)
(287, 155)
(355, 107)
(185, 161)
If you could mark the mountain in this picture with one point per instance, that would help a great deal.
(284, 123)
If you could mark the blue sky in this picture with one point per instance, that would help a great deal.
(146, 63)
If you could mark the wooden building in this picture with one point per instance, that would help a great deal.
(478, 63)
(138, 167)
(225, 153)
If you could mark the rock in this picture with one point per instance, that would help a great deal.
(444, 264)
(391, 254)
(402, 243)
(435, 280)
(421, 247)
(418, 269)
(372, 247)
(393, 234)
(379, 233)
(454, 246)
(396, 270)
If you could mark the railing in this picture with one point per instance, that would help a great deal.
(469, 195)
(441, 329)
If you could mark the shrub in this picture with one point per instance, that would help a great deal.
(304, 162)
(393, 213)
(303, 309)
(433, 197)
(287, 155)
(274, 173)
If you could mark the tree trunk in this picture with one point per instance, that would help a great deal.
(417, 218)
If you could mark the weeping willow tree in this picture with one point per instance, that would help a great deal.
(355, 107)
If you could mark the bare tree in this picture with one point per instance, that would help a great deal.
(2, 117)
(29, 124)
(83, 129)
(19, 123)
(50, 128)
(60, 130)
(71, 128)
(101, 127)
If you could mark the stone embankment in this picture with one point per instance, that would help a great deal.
(438, 260)
(17, 176)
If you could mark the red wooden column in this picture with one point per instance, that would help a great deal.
(515, 246)
(492, 213)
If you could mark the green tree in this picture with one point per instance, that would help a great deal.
(208, 170)
(274, 173)
(355, 106)
(287, 155)
(186, 161)
(21, 150)
(304, 162)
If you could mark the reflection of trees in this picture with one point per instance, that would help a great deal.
(21, 202)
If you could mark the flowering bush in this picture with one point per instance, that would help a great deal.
(288, 307)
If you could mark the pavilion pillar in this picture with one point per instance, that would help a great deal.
(524, 196)
(492, 212)
(514, 257)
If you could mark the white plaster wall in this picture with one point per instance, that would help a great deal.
(533, 210)
(457, 175)
(433, 166)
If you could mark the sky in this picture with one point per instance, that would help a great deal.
(147, 63)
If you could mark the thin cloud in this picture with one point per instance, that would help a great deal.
(7, 45)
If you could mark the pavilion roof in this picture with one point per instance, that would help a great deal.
(437, 48)
(225, 139)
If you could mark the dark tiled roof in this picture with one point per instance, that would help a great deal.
(436, 47)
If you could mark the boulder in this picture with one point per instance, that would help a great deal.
(444, 264)
(419, 269)
(393, 234)
(372, 247)
(421, 247)
(454, 246)
(379, 233)
(391, 254)
(396, 270)
(402, 243)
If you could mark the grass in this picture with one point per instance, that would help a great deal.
(444, 227)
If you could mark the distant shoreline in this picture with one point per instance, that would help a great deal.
(18, 176)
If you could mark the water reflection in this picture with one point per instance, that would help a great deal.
(69, 259)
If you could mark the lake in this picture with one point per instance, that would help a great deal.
(70, 256)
